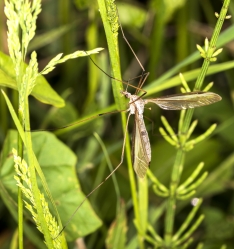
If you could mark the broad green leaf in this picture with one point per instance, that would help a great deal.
(117, 234)
(58, 164)
(42, 91)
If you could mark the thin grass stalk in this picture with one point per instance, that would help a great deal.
(64, 15)
(182, 40)
(35, 190)
(108, 161)
(20, 148)
(20, 195)
(20, 143)
(92, 38)
(119, 100)
(208, 10)
(14, 240)
(199, 246)
(179, 161)
(3, 113)
(156, 40)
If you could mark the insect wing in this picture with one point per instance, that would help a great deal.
(185, 100)
(141, 151)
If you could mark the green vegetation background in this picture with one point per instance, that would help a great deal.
(162, 37)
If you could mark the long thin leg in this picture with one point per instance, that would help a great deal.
(87, 196)
(78, 122)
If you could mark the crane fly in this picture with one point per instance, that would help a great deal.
(141, 150)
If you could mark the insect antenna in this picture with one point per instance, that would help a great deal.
(121, 28)
(142, 77)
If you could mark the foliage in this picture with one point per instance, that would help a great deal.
(164, 39)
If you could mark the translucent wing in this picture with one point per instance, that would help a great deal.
(141, 151)
(185, 100)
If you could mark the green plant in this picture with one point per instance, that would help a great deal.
(21, 24)
(148, 214)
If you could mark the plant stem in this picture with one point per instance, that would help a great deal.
(35, 190)
(156, 40)
(180, 156)
(120, 102)
(21, 154)
(92, 38)
(3, 112)
(20, 196)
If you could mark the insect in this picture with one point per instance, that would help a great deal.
(141, 150)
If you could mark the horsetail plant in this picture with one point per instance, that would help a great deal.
(21, 23)
(186, 190)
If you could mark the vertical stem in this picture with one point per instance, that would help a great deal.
(35, 190)
(3, 113)
(64, 19)
(182, 36)
(92, 38)
(21, 154)
(119, 100)
(20, 196)
(156, 40)
(171, 203)
(67, 40)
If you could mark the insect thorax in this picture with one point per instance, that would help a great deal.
(136, 104)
